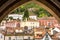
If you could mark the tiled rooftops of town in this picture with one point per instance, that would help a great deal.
(10, 30)
(18, 31)
(39, 29)
(57, 35)
(19, 34)
(54, 36)
(13, 29)
(57, 25)
(13, 21)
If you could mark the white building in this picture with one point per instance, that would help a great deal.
(56, 29)
(19, 37)
(2, 27)
(18, 31)
(10, 38)
(33, 17)
(1, 36)
(3, 22)
(20, 16)
(15, 16)
(51, 31)
(29, 24)
(28, 37)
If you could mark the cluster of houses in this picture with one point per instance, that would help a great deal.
(33, 28)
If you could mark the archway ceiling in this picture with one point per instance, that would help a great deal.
(6, 6)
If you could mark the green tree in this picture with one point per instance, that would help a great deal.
(36, 12)
(41, 12)
(26, 15)
(22, 8)
(11, 18)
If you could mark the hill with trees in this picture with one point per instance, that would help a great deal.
(34, 8)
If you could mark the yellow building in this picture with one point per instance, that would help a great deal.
(30, 23)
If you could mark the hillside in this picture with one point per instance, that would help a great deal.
(32, 8)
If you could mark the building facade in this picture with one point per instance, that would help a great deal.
(1, 36)
(29, 24)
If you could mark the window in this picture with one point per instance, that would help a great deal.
(9, 38)
(0, 36)
(33, 23)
